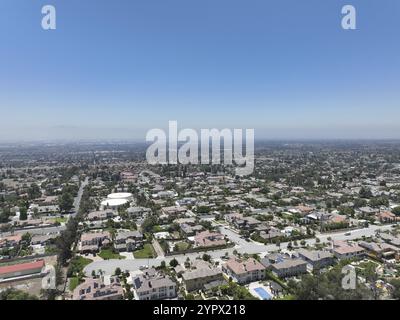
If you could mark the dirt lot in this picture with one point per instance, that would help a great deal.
(31, 286)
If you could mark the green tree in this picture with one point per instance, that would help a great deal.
(206, 257)
(396, 286)
(173, 263)
(4, 215)
(365, 193)
(34, 191)
(49, 294)
(26, 238)
(396, 211)
(65, 202)
(149, 223)
(117, 272)
(14, 294)
(328, 286)
(23, 213)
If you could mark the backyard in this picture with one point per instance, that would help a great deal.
(146, 252)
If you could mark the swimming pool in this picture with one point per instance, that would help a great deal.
(263, 293)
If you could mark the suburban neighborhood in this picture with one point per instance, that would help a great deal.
(107, 226)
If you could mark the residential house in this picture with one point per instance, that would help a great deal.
(383, 250)
(92, 241)
(386, 217)
(96, 289)
(316, 259)
(209, 239)
(152, 285)
(128, 240)
(346, 250)
(189, 230)
(42, 239)
(138, 212)
(197, 279)
(100, 215)
(289, 268)
(173, 211)
(244, 271)
(271, 233)
(241, 222)
(10, 241)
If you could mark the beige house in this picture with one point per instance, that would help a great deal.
(244, 271)
(197, 279)
(96, 289)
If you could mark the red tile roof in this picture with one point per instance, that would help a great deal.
(22, 267)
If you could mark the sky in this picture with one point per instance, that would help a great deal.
(114, 69)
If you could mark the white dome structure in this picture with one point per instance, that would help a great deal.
(115, 200)
(113, 203)
(121, 195)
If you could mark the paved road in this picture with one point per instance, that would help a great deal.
(78, 198)
(242, 246)
(35, 231)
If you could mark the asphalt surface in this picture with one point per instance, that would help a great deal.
(78, 198)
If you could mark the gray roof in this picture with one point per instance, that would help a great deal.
(128, 234)
(215, 283)
(200, 273)
(145, 284)
(315, 255)
(288, 263)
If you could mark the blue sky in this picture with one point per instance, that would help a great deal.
(115, 69)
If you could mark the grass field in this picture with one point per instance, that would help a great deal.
(61, 220)
(108, 254)
(146, 252)
(73, 283)
(181, 246)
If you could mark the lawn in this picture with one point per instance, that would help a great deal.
(181, 246)
(73, 283)
(77, 265)
(60, 220)
(146, 252)
(108, 254)
(157, 228)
